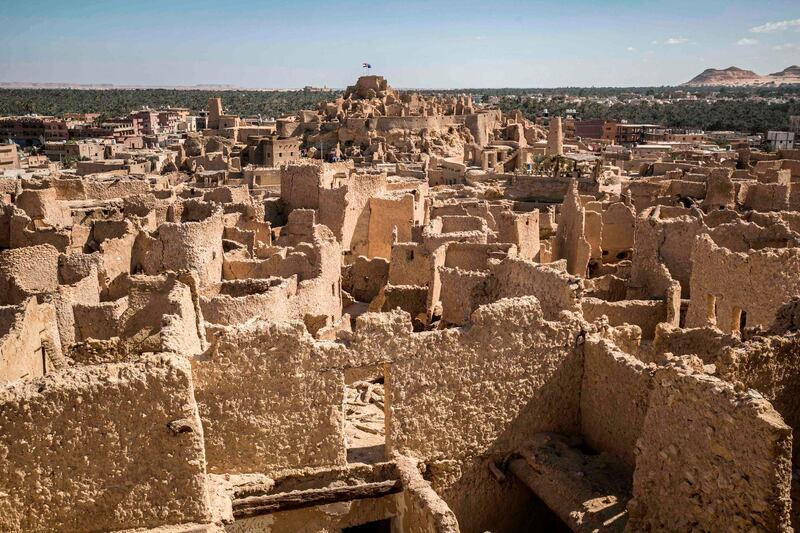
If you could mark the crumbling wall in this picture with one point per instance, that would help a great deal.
(29, 340)
(570, 242)
(386, 214)
(366, 277)
(475, 256)
(555, 290)
(24, 232)
(646, 314)
(531, 374)
(764, 196)
(301, 182)
(412, 264)
(535, 365)
(727, 284)
(706, 342)
(26, 272)
(728, 468)
(43, 205)
(420, 508)
(192, 245)
(254, 422)
(462, 291)
(238, 301)
(619, 222)
(662, 252)
(346, 209)
(116, 446)
(770, 365)
(614, 398)
(160, 313)
(520, 229)
(115, 241)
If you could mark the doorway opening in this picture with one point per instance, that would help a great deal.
(365, 415)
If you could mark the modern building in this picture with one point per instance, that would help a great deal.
(589, 129)
(24, 130)
(627, 134)
(9, 158)
(81, 150)
(272, 151)
(780, 140)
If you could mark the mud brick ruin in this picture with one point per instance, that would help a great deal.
(401, 313)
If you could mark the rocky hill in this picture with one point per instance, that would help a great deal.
(737, 77)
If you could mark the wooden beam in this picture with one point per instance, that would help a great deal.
(272, 503)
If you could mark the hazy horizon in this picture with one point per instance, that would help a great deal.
(416, 45)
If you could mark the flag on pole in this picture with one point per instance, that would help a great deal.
(366, 65)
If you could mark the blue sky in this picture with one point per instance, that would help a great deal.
(425, 44)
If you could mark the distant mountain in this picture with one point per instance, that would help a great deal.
(788, 72)
(737, 77)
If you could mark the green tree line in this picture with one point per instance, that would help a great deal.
(122, 101)
(741, 113)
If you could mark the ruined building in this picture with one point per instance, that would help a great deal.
(428, 317)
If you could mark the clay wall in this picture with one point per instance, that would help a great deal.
(619, 222)
(532, 375)
(545, 188)
(570, 242)
(412, 264)
(129, 449)
(159, 313)
(255, 423)
(346, 209)
(615, 394)
(366, 277)
(662, 253)
(29, 340)
(385, 215)
(27, 271)
(520, 229)
(190, 245)
(763, 196)
(728, 469)
(475, 256)
(555, 290)
(420, 508)
(646, 314)
(731, 289)
(43, 205)
(462, 291)
(237, 301)
(770, 365)
(24, 232)
(301, 182)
